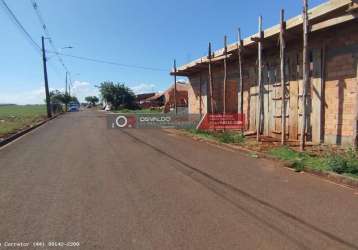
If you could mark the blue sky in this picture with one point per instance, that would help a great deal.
(146, 33)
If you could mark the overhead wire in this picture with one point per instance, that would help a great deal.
(18, 24)
(55, 50)
(47, 33)
(110, 62)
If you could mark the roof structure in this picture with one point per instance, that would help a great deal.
(181, 86)
(321, 17)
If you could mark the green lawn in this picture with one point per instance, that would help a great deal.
(13, 118)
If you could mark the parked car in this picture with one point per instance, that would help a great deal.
(108, 107)
(73, 107)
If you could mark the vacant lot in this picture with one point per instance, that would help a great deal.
(13, 117)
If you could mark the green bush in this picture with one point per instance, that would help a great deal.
(352, 161)
(298, 165)
(344, 163)
(337, 164)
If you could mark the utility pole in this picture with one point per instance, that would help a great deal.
(48, 104)
(175, 87)
(66, 84)
(305, 74)
(69, 84)
(66, 93)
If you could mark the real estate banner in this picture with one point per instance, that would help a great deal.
(222, 121)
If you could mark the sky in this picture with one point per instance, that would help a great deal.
(146, 33)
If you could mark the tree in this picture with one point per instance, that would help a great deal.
(57, 98)
(92, 100)
(117, 94)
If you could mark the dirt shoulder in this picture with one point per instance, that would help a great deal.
(320, 162)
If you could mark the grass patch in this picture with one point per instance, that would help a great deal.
(15, 117)
(299, 159)
(225, 137)
(341, 163)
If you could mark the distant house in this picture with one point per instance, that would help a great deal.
(141, 100)
(155, 101)
(181, 96)
(166, 99)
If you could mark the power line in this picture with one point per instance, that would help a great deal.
(26, 34)
(18, 24)
(47, 33)
(55, 51)
(110, 62)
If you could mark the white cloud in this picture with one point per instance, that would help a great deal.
(35, 96)
(143, 88)
(81, 89)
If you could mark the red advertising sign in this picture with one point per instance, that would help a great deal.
(221, 121)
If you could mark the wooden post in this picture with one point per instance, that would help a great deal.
(211, 81)
(355, 128)
(259, 96)
(305, 74)
(239, 51)
(175, 87)
(200, 93)
(225, 75)
(283, 77)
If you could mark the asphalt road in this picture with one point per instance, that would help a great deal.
(74, 180)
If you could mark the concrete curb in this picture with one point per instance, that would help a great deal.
(20, 133)
(331, 176)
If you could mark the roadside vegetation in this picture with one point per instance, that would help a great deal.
(345, 163)
(341, 162)
(118, 95)
(60, 99)
(16, 117)
(223, 137)
(92, 100)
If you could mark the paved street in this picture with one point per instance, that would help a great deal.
(75, 180)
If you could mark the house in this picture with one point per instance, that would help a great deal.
(181, 96)
(155, 101)
(166, 99)
(141, 100)
(332, 96)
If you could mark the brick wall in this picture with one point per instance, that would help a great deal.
(333, 81)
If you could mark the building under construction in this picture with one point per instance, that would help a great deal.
(311, 58)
